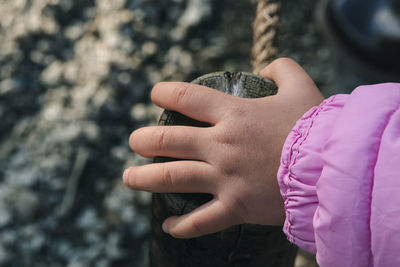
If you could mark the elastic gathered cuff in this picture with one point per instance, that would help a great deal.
(300, 169)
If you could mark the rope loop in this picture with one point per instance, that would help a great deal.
(264, 30)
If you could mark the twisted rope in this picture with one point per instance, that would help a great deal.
(264, 31)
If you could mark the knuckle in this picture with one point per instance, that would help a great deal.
(230, 165)
(167, 179)
(235, 165)
(180, 94)
(230, 153)
(239, 111)
(197, 227)
(160, 138)
(224, 137)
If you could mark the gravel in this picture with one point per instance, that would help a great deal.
(75, 78)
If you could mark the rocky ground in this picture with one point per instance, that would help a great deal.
(75, 78)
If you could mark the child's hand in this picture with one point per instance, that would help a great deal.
(236, 160)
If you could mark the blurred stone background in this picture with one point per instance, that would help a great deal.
(75, 78)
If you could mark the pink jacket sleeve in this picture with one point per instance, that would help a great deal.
(340, 179)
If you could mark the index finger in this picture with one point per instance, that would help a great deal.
(195, 101)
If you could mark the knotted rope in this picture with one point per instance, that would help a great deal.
(264, 31)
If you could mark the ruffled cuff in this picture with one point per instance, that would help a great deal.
(300, 169)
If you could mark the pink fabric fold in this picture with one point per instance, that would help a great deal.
(340, 179)
(301, 165)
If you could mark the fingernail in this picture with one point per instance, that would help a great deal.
(125, 176)
(165, 228)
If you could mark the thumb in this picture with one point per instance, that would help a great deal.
(289, 76)
(209, 218)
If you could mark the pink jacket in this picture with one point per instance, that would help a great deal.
(340, 179)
